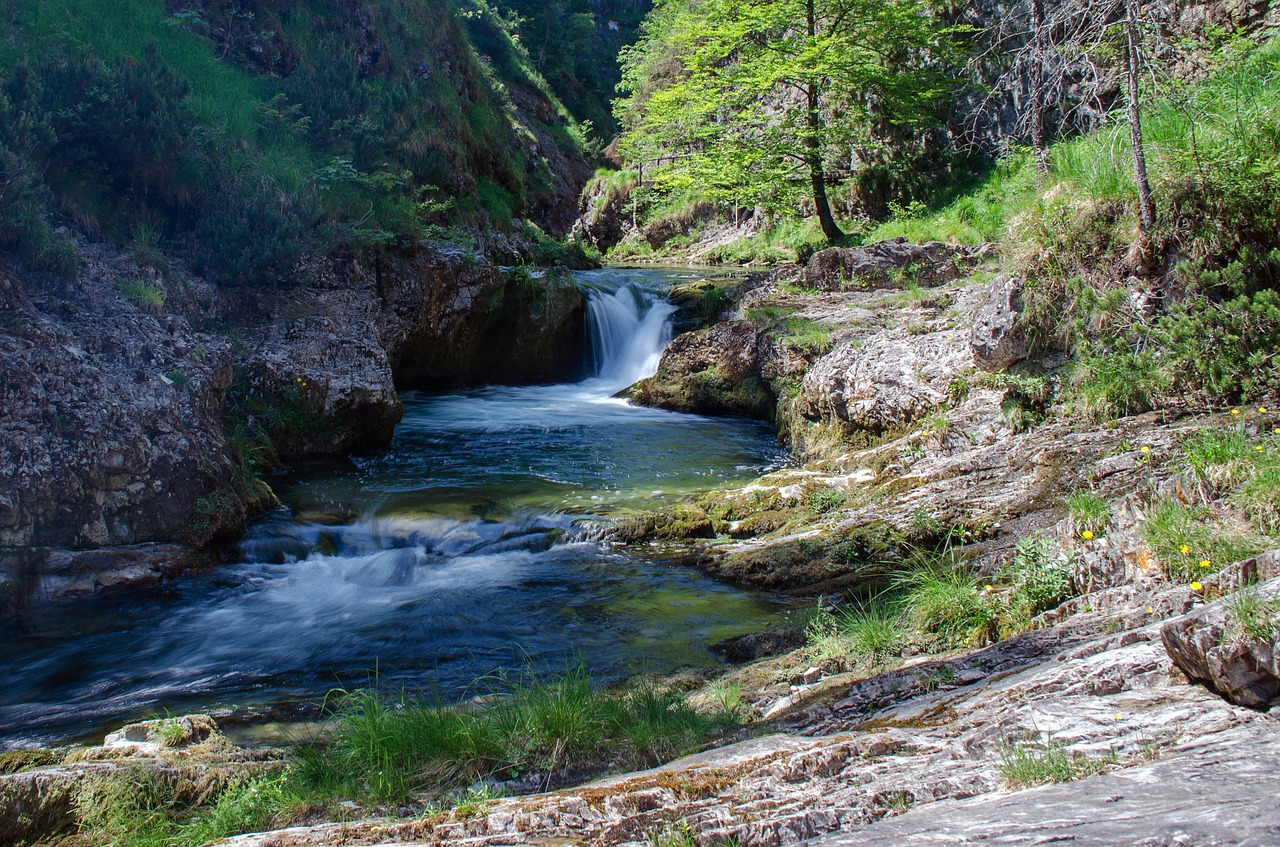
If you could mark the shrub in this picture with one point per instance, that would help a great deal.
(866, 636)
(1039, 576)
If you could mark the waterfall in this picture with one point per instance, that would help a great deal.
(629, 328)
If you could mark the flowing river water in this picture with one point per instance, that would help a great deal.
(455, 552)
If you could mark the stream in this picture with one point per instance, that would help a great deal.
(456, 552)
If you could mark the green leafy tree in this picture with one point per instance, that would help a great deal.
(755, 99)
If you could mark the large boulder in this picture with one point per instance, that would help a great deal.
(715, 371)
(997, 339)
(895, 263)
(886, 381)
(1232, 647)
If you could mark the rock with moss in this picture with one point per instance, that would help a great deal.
(885, 264)
(889, 380)
(716, 371)
(183, 761)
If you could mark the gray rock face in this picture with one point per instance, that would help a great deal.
(111, 410)
(1211, 648)
(885, 381)
(1193, 796)
(896, 262)
(997, 340)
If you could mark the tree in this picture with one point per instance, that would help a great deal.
(754, 99)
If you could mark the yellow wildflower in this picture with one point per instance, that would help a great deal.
(1262, 410)
(1204, 563)
(1258, 448)
(1235, 411)
(1150, 611)
(1195, 586)
(1184, 549)
(986, 588)
(1087, 535)
(1146, 448)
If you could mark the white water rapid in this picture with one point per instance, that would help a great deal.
(629, 326)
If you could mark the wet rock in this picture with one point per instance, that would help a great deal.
(152, 737)
(997, 339)
(1240, 660)
(715, 371)
(893, 263)
(759, 645)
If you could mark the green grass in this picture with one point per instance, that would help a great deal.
(1189, 543)
(145, 296)
(380, 749)
(1026, 765)
(1089, 512)
(866, 637)
(384, 749)
(1241, 463)
(947, 604)
(1252, 618)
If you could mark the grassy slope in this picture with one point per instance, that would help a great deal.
(436, 84)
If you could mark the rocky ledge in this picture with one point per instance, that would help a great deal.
(134, 393)
(922, 753)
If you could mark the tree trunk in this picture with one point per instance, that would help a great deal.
(1146, 206)
(813, 149)
(1040, 46)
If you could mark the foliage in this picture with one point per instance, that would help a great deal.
(1039, 579)
(219, 128)
(1251, 617)
(749, 101)
(947, 604)
(866, 636)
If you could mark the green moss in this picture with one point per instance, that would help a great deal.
(15, 761)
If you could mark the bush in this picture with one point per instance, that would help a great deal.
(124, 125)
(1039, 576)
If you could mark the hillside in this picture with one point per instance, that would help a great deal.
(245, 135)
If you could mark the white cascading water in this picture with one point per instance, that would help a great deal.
(629, 328)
